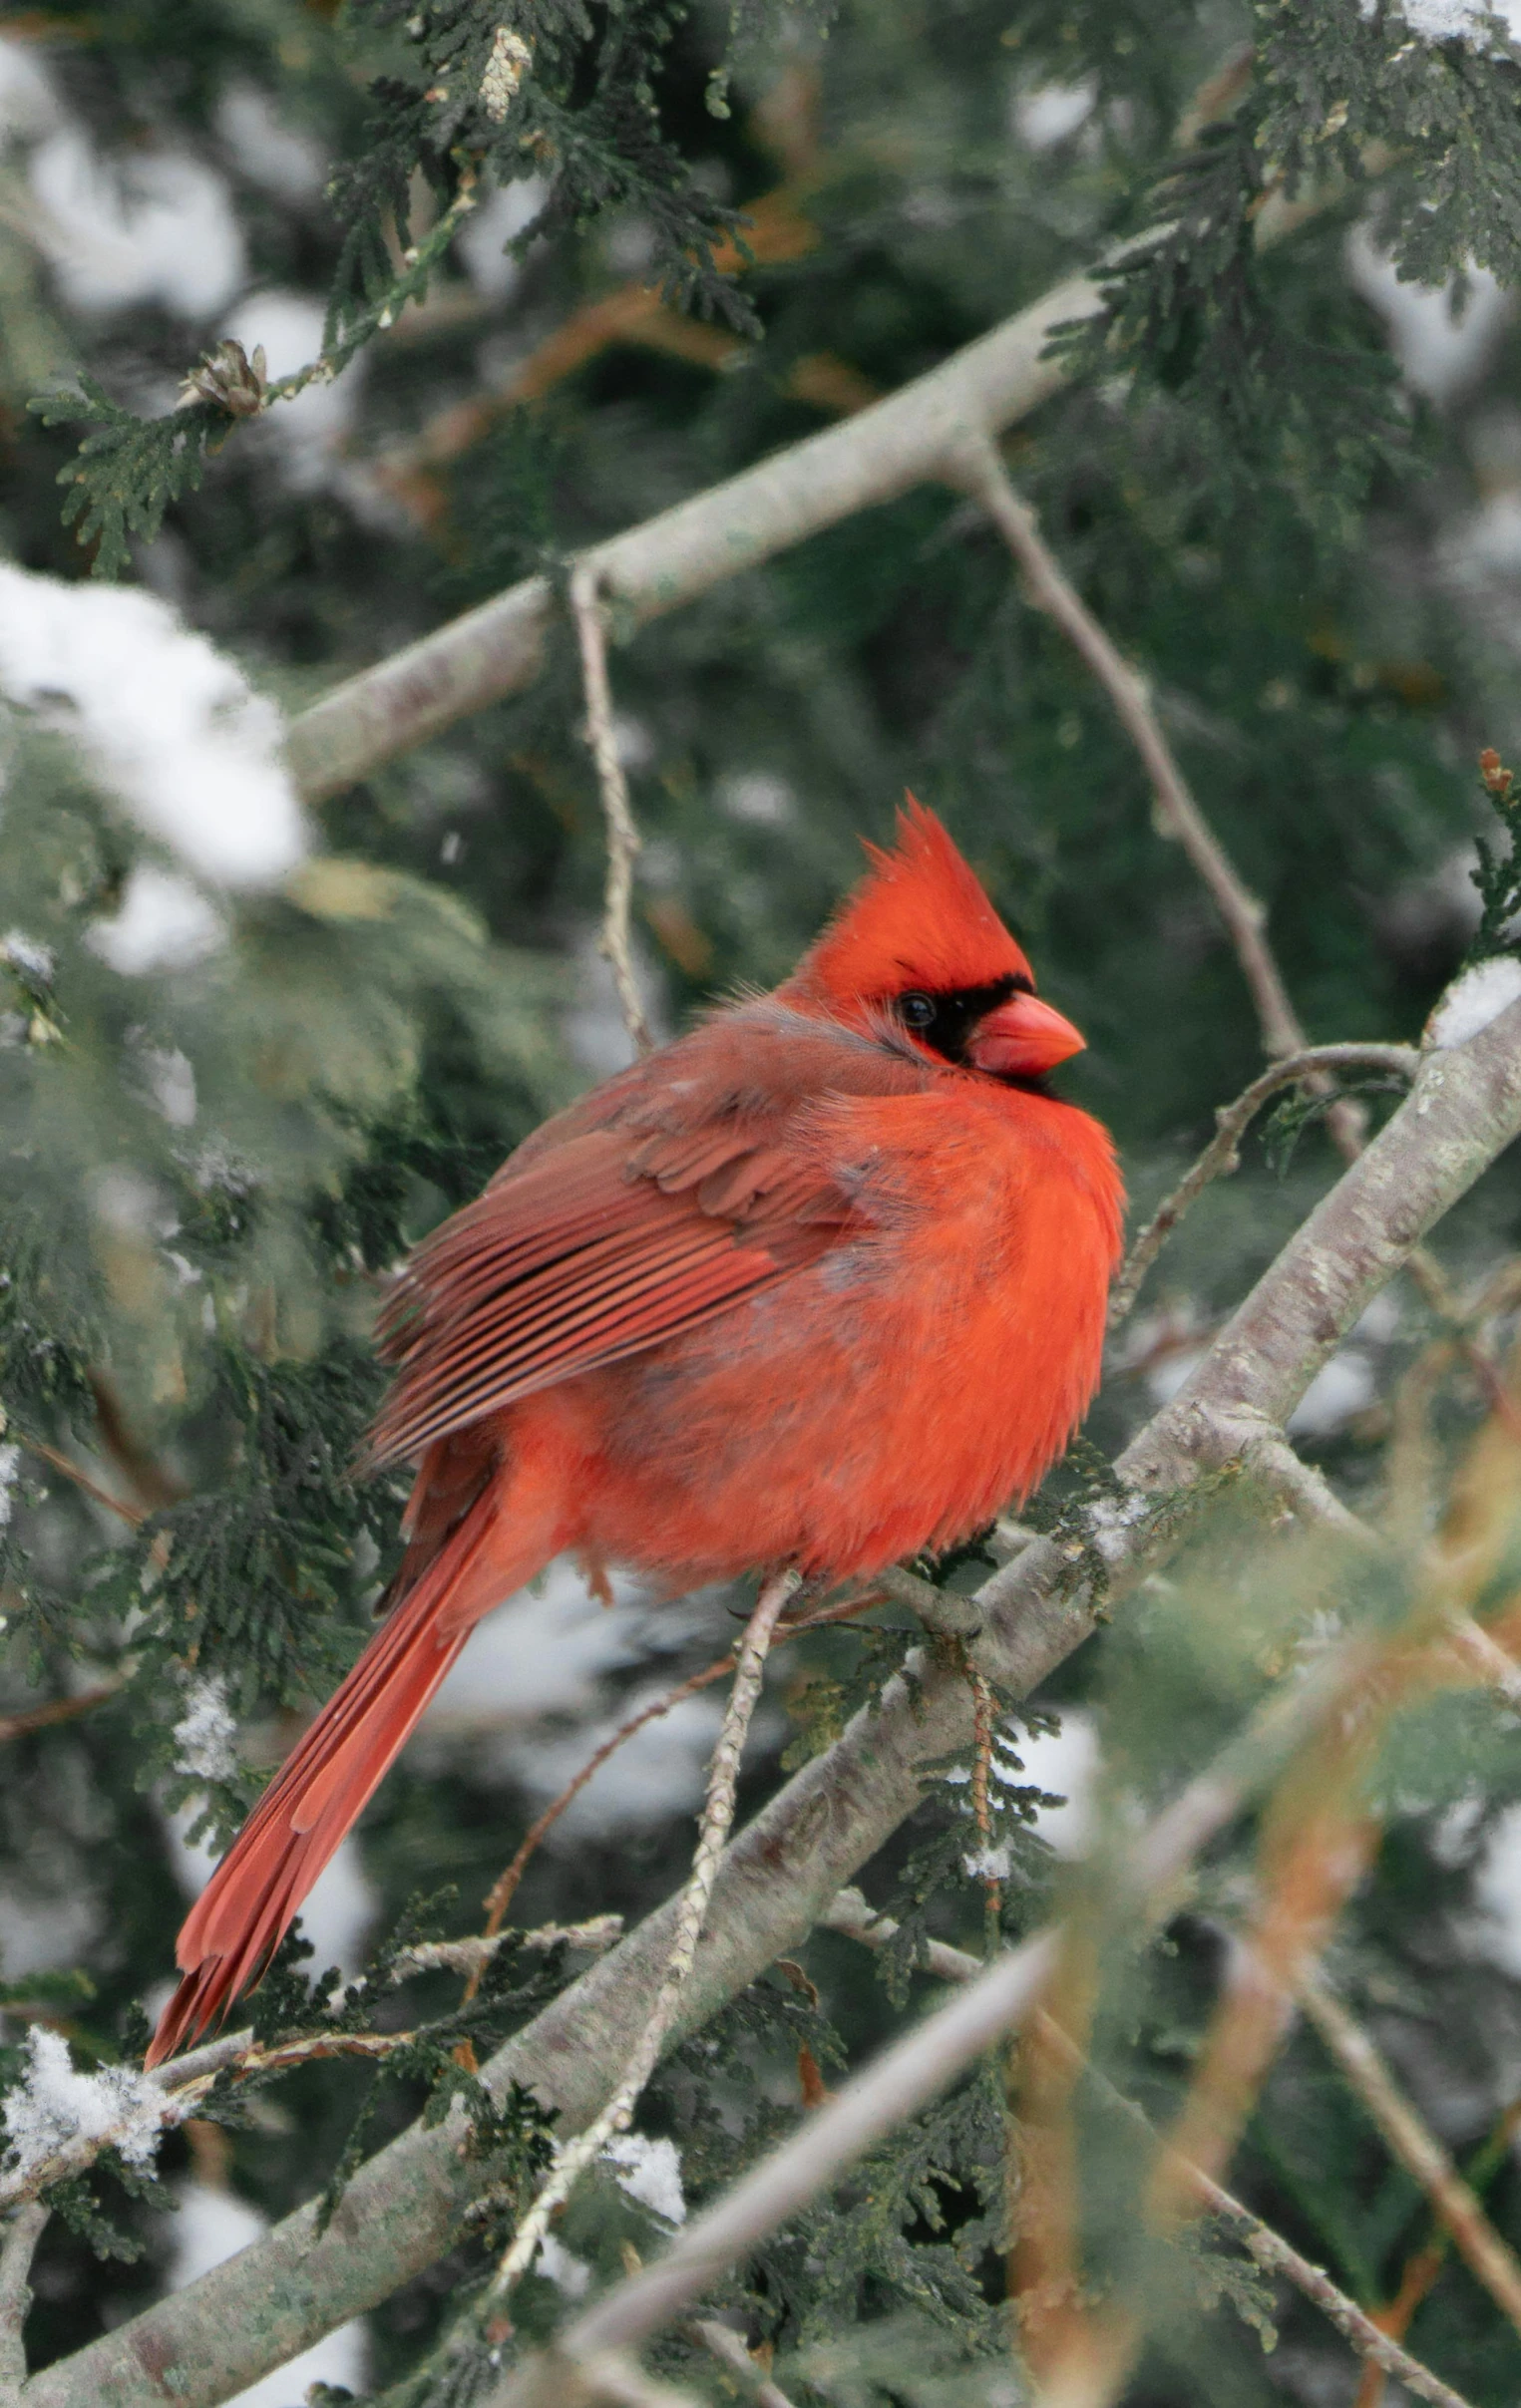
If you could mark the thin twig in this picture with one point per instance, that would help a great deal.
(983, 473)
(725, 2345)
(1221, 1155)
(17, 2248)
(471, 1956)
(58, 1709)
(618, 812)
(179, 2098)
(850, 1913)
(1411, 2139)
(500, 1896)
(577, 2153)
(1423, 2268)
(135, 1514)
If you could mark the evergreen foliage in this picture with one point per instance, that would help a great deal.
(208, 1165)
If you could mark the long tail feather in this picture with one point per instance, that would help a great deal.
(256, 1890)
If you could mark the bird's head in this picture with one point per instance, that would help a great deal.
(917, 945)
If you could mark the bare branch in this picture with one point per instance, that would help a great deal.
(1411, 2139)
(17, 2246)
(849, 1914)
(402, 2209)
(1051, 591)
(58, 1709)
(500, 647)
(618, 812)
(1221, 1155)
(573, 2155)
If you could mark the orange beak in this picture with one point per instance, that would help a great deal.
(1022, 1039)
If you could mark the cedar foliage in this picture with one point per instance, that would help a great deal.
(1267, 516)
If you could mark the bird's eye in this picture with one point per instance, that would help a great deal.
(915, 1011)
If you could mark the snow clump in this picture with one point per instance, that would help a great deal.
(56, 2104)
(204, 1733)
(167, 722)
(1476, 997)
(650, 2171)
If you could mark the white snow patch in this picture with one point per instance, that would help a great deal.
(272, 155)
(10, 1465)
(482, 241)
(152, 226)
(55, 2104)
(650, 2171)
(1476, 998)
(162, 923)
(1066, 1763)
(1109, 1518)
(1497, 1892)
(570, 2273)
(204, 1733)
(211, 2226)
(1453, 20)
(1341, 1388)
(988, 1864)
(1048, 114)
(170, 1079)
(1439, 347)
(28, 953)
(167, 722)
(543, 1653)
(1164, 1377)
(756, 798)
(657, 1773)
(28, 104)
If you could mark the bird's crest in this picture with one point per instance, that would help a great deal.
(920, 917)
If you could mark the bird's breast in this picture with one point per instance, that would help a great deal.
(894, 1394)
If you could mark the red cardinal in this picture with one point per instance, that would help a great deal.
(821, 1283)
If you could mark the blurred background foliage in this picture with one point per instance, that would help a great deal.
(232, 1090)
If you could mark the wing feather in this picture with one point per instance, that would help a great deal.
(684, 1187)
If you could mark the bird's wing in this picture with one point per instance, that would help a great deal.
(684, 1187)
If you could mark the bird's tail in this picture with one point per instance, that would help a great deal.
(256, 1890)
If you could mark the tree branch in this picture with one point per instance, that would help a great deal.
(403, 2207)
(618, 812)
(500, 647)
(915, 2069)
(1221, 1155)
(17, 2248)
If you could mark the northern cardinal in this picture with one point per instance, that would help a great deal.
(821, 1283)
